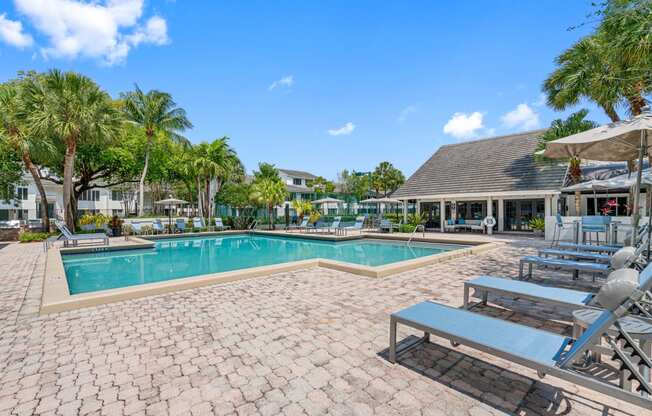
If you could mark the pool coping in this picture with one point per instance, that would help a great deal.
(57, 298)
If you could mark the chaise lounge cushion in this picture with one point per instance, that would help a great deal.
(504, 337)
(622, 257)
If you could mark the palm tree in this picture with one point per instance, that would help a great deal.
(156, 112)
(214, 163)
(269, 193)
(70, 108)
(13, 128)
(575, 123)
(585, 71)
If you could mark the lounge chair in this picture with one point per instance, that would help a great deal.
(566, 298)
(302, 226)
(180, 225)
(197, 224)
(219, 225)
(158, 227)
(75, 239)
(606, 248)
(357, 226)
(333, 227)
(387, 225)
(622, 258)
(546, 353)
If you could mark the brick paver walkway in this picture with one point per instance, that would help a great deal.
(306, 342)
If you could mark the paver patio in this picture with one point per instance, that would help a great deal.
(310, 341)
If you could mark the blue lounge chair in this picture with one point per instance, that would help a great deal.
(137, 228)
(333, 227)
(357, 226)
(197, 224)
(387, 225)
(609, 249)
(302, 226)
(158, 227)
(180, 225)
(565, 298)
(75, 239)
(615, 262)
(579, 255)
(545, 352)
(219, 225)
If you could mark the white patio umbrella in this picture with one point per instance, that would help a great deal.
(327, 200)
(170, 202)
(616, 142)
(383, 200)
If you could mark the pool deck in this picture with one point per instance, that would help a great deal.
(309, 341)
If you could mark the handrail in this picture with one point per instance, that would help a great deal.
(423, 230)
(253, 225)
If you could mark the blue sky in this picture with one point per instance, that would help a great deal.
(317, 86)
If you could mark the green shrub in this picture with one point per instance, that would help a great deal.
(28, 236)
(538, 224)
(407, 228)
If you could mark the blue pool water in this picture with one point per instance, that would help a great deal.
(184, 257)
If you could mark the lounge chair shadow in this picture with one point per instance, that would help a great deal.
(502, 389)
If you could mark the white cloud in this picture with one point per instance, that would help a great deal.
(343, 131)
(522, 116)
(12, 33)
(105, 30)
(285, 82)
(541, 100)
(403, 115)
(465, 125)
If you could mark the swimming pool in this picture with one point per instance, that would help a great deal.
(177, 258)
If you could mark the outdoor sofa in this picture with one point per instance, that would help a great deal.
(464, 225)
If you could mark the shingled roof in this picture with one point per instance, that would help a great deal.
(298, 173)
(497, 164)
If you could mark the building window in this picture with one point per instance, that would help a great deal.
(116, 195)
(117, 212)
(296, 181)
(90, 195)
(21, 193)
(613, 207)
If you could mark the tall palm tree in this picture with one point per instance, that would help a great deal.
(215, 163)
(585, 71)
(16, 133)
(156, 112)
(70, 108)
(269, 193)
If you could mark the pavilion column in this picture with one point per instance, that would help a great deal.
(501, 215)
(548, 206)
(490, 209)
(442, 215)
(405, 210)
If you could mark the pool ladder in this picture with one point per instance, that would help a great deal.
(423, 230)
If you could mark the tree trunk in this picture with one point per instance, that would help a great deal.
(199, 198)
(68, 171)
(141, 185)
(207, 187)
(611, 113)
(41, 190)
(270, 208)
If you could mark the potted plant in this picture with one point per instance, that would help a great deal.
(538, 225)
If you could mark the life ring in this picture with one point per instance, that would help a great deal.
(489, 222)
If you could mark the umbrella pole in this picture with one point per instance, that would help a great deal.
(639, 175)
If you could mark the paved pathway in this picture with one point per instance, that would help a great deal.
(306, 342)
